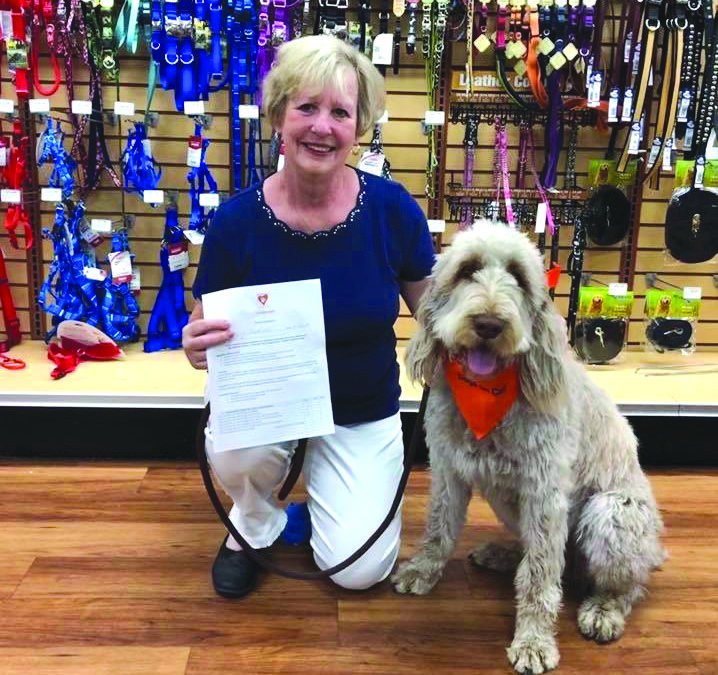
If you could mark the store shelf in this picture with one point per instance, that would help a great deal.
(642, 384)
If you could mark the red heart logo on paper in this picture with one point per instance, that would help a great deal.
(263, 297)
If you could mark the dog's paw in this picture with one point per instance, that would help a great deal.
(533, 656)
(601, 619)
(417, 576)
(496, 556)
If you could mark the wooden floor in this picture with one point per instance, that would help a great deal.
(105, 569)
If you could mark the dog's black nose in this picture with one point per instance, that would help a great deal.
(487, 327)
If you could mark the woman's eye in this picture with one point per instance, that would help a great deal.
(306, 107)
(340, 112)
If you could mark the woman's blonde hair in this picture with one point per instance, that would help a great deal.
(314, 63)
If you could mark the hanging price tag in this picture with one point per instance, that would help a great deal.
(248, 112)
(372, 162)
(541, 213)
(383, 49)
(617, 289)
(135, 282)
(209, 200)
(613, 105)
(101, 225)
(94, 273)
(81, 107)
(692, 293)
(7, 106)
(194, 107)
(124, 108)
(194, 151)
(120, 266)
(153, 196)
(194, 237)
(39, 105)
(48, 194)
(436, 226)
(11, 196)
(178, 258)
(434, 117)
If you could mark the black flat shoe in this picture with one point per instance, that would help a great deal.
(234, 573)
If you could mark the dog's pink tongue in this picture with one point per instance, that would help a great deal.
(481, 363)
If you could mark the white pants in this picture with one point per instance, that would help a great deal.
(351, 477)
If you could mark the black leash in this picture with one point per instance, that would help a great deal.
(294, 472)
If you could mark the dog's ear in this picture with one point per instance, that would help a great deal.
(542, 369)
(423, 352)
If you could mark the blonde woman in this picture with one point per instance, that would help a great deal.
(367, 240)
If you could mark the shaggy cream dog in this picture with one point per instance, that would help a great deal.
(560, 468)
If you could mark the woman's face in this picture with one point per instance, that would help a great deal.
(320, 130)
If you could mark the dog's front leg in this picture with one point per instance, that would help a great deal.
(450, 497)
(544, 527)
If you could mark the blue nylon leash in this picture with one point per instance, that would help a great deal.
(140, 170)
(169, 314)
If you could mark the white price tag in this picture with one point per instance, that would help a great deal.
(194, 237)
(101, 225)
(178, 259)
(153, 196)
(194, 155)
(540, 218)
(81, 107)
(437, 117)
(7, 105)
(248, 112)
(613, 105)
(692, 293)
(383, 49)
(384, 118)
(667, 164)
(124, 108)
(48, 194)
(627, 109)
(121, 266)
(3, 156)
(209, 199)
(684, 105)
(135, 282)
(94, 273)
(372, 162)
(436, 225)
(635, 139)
(11, 196)
(39, 105)
(617, 290)
(194, 107)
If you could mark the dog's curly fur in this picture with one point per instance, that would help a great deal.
(560, 469)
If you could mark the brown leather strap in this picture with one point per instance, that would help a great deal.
(670, 88)
(649, 32)
(321, 574)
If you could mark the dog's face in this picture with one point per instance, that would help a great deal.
(487, 289)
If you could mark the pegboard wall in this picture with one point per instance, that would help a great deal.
(405, 145)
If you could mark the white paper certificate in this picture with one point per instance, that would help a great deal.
(270, 383)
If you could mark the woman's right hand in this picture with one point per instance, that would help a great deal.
(200, 333)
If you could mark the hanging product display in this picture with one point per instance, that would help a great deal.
(71, 288)
(119, 307)
(15, 175)
(139, 168)
(202, 185)
(9, 315)
(169, 314)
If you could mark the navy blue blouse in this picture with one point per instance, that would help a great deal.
(359, 262)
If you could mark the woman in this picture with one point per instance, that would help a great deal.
(367, 241)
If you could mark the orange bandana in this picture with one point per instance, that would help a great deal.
(483, 403)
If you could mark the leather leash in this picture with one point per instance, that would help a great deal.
(295, 469)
